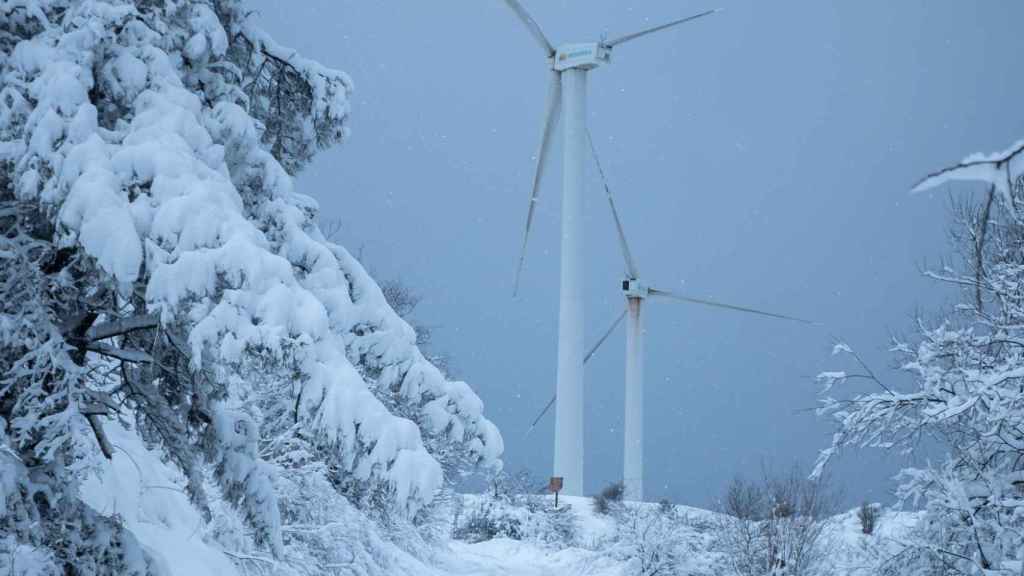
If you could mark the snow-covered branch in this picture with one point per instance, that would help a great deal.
(967, 388)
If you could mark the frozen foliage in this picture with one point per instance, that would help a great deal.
(651, 540)
(609, 497)
(778, 525)
(632, 538)
(528, 517)
(646, 538)
(159, 269)
(967, 392)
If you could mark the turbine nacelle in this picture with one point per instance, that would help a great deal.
(632, 288)
(585, 56)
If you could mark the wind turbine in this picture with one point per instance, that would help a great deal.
(636, 292)
(567, 92)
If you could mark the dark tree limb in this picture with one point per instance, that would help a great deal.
(123, 354)
(122, 326)
(980, 246)
(101, 436)
(993, 162)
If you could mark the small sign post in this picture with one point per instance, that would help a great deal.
(555, 485)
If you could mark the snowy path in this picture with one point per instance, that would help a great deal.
(503, 557)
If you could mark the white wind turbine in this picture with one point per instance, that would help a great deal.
(569, 65)
(636, 292)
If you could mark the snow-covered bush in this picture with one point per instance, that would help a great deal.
(487, 520)
(649, 539)
(966, 390)
(777, 526)
(157, 268)
(519, 516)
(868, 515)
(609, 497)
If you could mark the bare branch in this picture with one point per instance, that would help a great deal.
(123, 354)
(101, 436)
(122, 326)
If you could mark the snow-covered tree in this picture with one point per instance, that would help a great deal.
(157, 267)
(967, 392)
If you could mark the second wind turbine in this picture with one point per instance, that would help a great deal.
(569, 65)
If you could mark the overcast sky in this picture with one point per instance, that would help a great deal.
(761, 156)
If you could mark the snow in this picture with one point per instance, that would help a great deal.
(841, 348)
(985, 172)
(1000, 170)
(854, 552)
(148, 496)
(505, 557)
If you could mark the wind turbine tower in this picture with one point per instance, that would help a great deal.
(570, 64)
(636, 294)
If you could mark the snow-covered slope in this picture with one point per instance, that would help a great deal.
(856, 553)
(148, 495)
(606, 545)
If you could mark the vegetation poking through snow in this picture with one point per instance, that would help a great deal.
(778, 524)
(518, 508)
(609, 497)
(868, 514)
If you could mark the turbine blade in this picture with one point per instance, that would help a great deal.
(604, 336)
(541, 415)
(631, 269)
(532, 26)
(635, 35)
(593, 349)
(550, 121)
(667, 294)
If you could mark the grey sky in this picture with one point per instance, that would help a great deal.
(761, 157)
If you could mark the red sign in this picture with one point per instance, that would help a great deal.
(555, 485)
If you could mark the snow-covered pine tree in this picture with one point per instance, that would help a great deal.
(159, 269)
(967, 394)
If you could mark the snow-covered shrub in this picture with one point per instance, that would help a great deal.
(157, 268)
(966, 390)
(530, 517)
(609, 497)
(777, 526)
(488, 520)
(868, 515)
(649, 539)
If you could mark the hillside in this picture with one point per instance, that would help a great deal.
(149, 496)
(615, 544)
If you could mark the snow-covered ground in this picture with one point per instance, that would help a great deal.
(852, 553)
(505, 557)
(148, 495)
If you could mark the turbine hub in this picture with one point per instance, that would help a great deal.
(584, 56)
